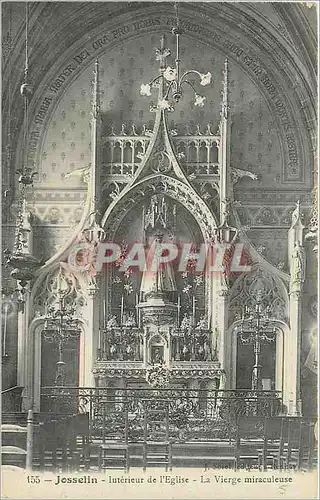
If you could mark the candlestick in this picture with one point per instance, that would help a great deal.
(99, 339)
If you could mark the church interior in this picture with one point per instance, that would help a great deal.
(146, 125)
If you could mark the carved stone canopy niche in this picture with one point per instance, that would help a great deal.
(127, 286)
(273, 290)
(130, 228)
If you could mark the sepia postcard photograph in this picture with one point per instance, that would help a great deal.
(159, 222)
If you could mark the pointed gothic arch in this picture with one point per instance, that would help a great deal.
(173, 188)
(245, 287)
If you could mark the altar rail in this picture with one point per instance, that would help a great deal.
(192, 414)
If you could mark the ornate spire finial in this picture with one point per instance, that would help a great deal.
(225, 92)
(296, 215)
(295, 234)
(312, 233)
(96, 90)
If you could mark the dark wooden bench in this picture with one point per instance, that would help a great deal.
(57, 442)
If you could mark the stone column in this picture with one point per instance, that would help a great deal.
(21, 354)
(225, 340)
(89, 340)
(279, 369)
(297, 261)
(292, 397)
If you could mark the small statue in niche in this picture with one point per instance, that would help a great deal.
(112, 322)
(296, 215)
(157, 355)
(186, 322)
(157, 212)
(130, 319)
(185, 353)
(201, 325)
(113, 351)
(207, 352)
(298, 264)
(129, 352)
(200, 352)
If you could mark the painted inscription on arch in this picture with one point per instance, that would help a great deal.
(95, 46)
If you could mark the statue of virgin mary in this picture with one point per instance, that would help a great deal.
(158, 280)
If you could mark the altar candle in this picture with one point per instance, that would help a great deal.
(99, 339)
(6, 307)
(122, 307)
(194, 309)
(105, 310)
(178, 312)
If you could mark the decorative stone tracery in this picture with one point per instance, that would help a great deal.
(245, 288)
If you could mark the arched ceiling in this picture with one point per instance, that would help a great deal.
(277, 37)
